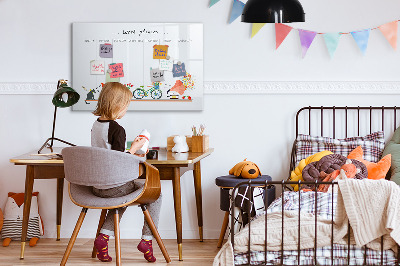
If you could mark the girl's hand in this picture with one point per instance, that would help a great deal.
(143, 155)
(137, 144)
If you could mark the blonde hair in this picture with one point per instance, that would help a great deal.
(113, 98)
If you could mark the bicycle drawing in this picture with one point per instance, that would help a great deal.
(154, 92)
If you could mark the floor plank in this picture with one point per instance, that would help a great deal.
(50, 252)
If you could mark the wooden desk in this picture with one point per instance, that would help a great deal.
(168, 164)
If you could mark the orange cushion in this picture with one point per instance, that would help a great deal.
(375, 170)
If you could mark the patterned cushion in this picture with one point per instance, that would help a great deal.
(372, 144)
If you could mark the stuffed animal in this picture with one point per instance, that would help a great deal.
(245, 169)
(180, 144)
(1, 219)
(13, 215)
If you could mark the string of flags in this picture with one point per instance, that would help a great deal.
(361, 37)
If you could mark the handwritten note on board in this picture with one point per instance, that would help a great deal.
(97, 67)
(117, 70)
(106, 50)
(179, 70)
(160, 51)
(156, 75)
(110, 79)
(166, 64)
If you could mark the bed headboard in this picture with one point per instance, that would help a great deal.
(344, 121)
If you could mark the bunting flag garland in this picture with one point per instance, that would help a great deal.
(389, 30)
(361, 37)
(213, 2)
(256, 27)
(332, 41)
(281, 31)
(237, 9)
(306, 39)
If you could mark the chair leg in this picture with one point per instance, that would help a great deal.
(154, 230)
(73, 237)
(117, 239)
(223, 229)
(101, 222)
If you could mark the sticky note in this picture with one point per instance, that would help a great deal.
(156, 75)
(160, 51)
(106, 50)
(179, 70)
(166, 64)
(117, 70)
(110, 79)
(97, 67)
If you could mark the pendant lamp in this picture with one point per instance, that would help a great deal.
(273, 11)
(64, 96)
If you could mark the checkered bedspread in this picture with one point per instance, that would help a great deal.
(307, 202)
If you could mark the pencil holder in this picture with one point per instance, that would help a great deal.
(200, 143)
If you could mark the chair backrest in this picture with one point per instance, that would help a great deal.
(92, 166)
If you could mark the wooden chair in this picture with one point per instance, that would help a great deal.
(85, 167)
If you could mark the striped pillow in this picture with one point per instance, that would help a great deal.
(372, 145)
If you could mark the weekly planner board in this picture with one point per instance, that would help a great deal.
(160, 63)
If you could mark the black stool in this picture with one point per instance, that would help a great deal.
(226, 183)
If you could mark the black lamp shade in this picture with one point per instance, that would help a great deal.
(273, 11)
(73, 96)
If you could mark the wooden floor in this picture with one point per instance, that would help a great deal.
(50, 252)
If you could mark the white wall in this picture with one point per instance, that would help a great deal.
(35, 46)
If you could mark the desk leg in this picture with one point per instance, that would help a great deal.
(199, 204)
(27, 206)
(60, 190)
(176, 182)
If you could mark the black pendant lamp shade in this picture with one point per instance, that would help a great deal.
(273, 11)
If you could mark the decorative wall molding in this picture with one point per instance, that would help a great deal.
(250, 87)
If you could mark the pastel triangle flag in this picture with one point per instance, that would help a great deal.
(332, 41)
(361, 37)
(281, 31)
(237, 9)
(256, 27)
(306, 39)
(213, 2)
(389, 30)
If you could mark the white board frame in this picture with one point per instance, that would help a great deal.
(132, 46)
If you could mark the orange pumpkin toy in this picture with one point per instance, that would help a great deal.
(245, 169)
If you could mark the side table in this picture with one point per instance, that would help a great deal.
(226, 183)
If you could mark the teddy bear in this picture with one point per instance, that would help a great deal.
(180, 144)
(245, 169)
(13, 215)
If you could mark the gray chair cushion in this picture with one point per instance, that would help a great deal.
(84, 196)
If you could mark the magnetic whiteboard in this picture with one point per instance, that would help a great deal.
(161, 63)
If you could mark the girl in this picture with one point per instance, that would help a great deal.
(113, 103)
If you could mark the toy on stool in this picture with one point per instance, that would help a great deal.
(245, 169)
(13, 215)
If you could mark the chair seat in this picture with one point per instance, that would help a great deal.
(83, 196)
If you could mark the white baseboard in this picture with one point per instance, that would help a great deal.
(247, 87)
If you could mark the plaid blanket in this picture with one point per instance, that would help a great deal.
(323, 205)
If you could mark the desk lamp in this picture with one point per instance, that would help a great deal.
(64, 97)
(273, 11)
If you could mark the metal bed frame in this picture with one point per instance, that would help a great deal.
(283, 184)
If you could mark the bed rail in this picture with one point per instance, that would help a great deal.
(265, 185)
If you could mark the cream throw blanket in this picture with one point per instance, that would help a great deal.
(371, 206)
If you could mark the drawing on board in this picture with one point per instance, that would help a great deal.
(161, 63)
